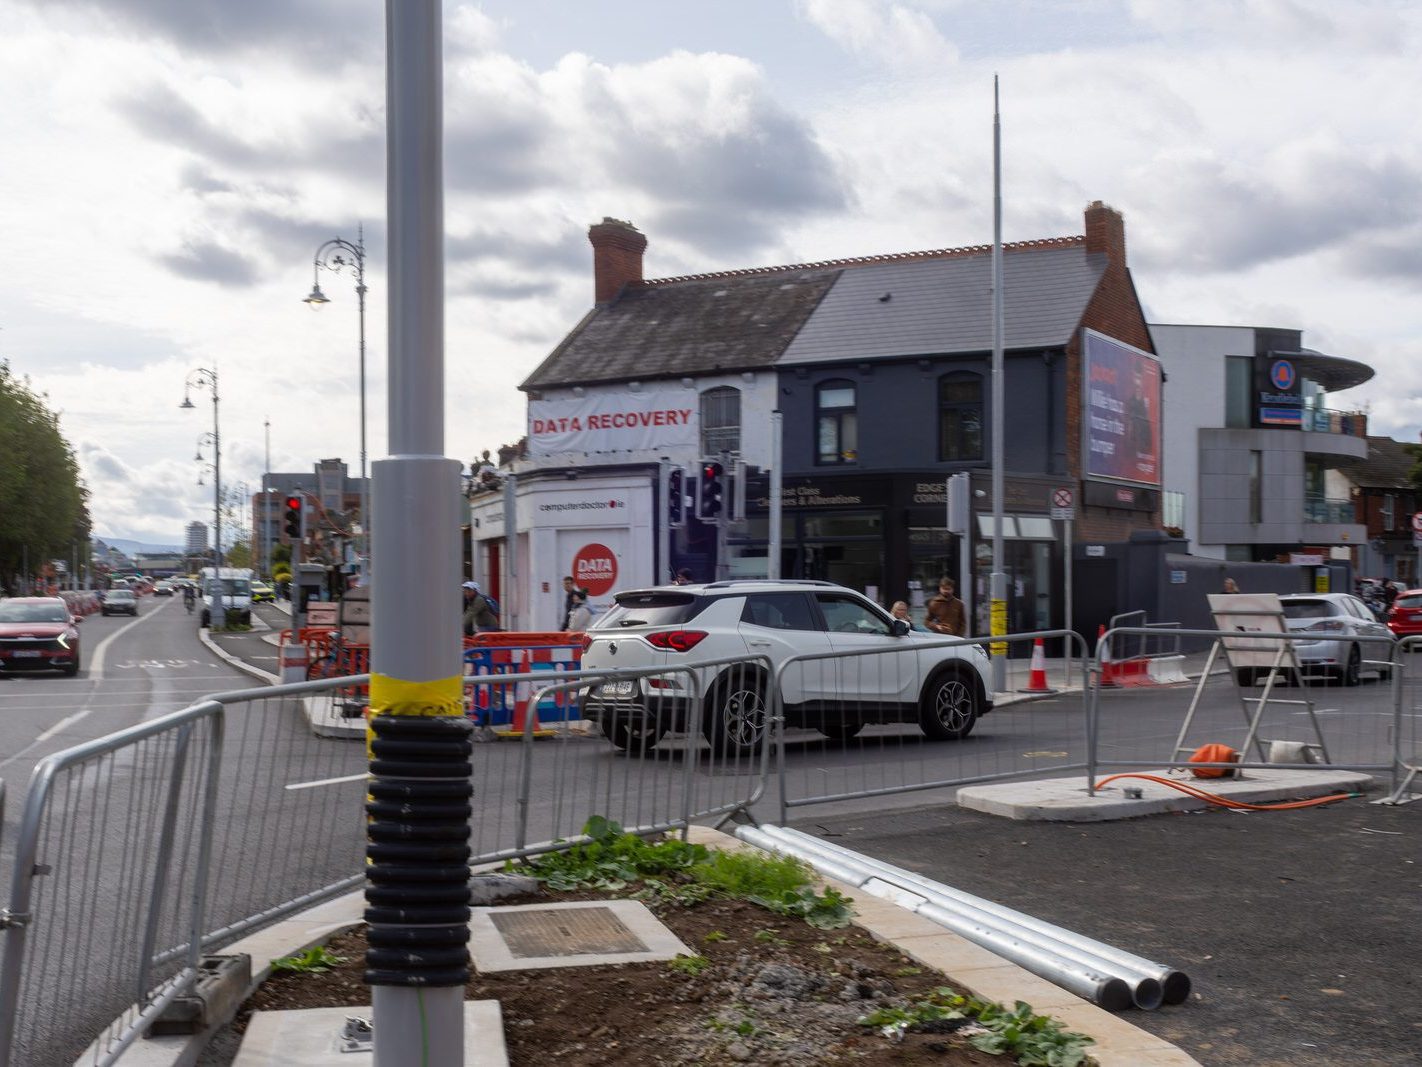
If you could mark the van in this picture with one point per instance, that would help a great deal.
(223, 590)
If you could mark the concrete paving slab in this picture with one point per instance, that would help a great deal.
(310, 1038)
(1067, 799)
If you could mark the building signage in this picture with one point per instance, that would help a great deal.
(1280, 398)
(595, 569)
(1120, 423)
(613, 422)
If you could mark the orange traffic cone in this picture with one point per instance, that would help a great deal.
(1037, 679)
(522, 709)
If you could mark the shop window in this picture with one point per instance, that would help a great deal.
(960, 416)
(836, 423)
(720, 420)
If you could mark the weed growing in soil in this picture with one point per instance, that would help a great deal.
(317, 960)
(1033, 1040)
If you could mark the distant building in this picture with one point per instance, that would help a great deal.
(196, 542)
(331, 510)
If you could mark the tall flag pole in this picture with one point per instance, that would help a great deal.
(998, 586)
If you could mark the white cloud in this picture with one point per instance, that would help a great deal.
(881, 30)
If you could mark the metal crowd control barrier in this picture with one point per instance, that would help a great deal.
(106, 902)
(858, 722)
(1271, 709)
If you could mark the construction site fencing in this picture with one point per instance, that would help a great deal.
(1271, 699)
(140, 853)
(861, 722)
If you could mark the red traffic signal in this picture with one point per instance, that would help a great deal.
(293, 517)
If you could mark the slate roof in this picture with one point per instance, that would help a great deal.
(1387, 467)
(945, 306)
(706, 325)
(940, 302)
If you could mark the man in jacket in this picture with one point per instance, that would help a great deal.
(479, 615)
(945, 613)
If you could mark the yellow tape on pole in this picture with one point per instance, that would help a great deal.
(395, 696)
(999, 626)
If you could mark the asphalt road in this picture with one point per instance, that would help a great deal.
(1300, 930)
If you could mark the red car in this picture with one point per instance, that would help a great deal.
(1404, 618)
(37, 633)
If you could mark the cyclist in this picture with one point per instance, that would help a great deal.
(189, 598)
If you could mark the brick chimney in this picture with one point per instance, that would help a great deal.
(617, 257)
(1106, 232)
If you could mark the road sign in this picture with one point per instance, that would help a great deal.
(1062, 504)
(1417, 521)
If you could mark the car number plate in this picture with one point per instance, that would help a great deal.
(27, 654)
(617, 689)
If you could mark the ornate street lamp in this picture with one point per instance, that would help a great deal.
(204, 378)
(336, 255)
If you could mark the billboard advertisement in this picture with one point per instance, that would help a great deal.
(613, 422)
(1276, 382)
(1120, 425)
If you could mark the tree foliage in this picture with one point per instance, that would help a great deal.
(44, 508)
(239, 555)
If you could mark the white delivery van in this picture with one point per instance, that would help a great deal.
(223, 590)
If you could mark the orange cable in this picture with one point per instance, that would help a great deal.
(1226, 802)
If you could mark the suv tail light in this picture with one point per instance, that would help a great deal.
(676, 640)
(1330, 625)
(587, 642)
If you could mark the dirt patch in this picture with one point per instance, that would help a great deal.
(773, 990)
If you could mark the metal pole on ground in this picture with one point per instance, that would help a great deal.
(417, 839)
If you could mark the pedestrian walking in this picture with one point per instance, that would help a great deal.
(580, 617)
(569, 588)
(945, 614)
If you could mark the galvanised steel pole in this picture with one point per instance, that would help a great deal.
(418, 833)
(997, 590)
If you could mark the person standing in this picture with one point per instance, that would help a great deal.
(569, 588)
(683, 577)
(1230, 586)
(945, 614)
(580, 617)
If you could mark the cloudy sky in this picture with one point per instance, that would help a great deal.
(170, 167)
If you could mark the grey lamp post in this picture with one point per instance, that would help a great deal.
(203, 378)
(335, 255)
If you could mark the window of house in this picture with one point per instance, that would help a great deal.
(1239, 391)
(1389, 512)
(720, 420)
(960, 416)
(836, 423)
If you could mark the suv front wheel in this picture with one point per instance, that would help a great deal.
(735, 720)
(949, 707)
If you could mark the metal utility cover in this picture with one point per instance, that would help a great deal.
(569, 934)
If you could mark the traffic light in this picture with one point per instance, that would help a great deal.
(676, 498)
(293, 517)
(710, 496)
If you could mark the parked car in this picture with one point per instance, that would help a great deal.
(944, 690)
(38, 633)
(163, 588)
(1405, 617)
(120, 602)
(1334, 618)
(263, 593)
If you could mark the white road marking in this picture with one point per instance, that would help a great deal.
(329, 781)
(60, 725)
(96, 659)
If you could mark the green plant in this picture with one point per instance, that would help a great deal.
(751, 874)
(611, 858)
(656, 892)
(715, 935)
(824, 911)
(315, 960)
(1032, 1040)
(689, 965)
(769, 937)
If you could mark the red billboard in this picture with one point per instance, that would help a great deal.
(1120, 406)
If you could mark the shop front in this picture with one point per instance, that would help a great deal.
(887, 537)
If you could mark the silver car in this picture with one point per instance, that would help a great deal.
(1332, 619)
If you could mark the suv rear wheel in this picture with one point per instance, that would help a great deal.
(735, 719)
(949, 707)
(632, 732)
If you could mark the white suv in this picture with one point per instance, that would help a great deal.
(913, 678)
